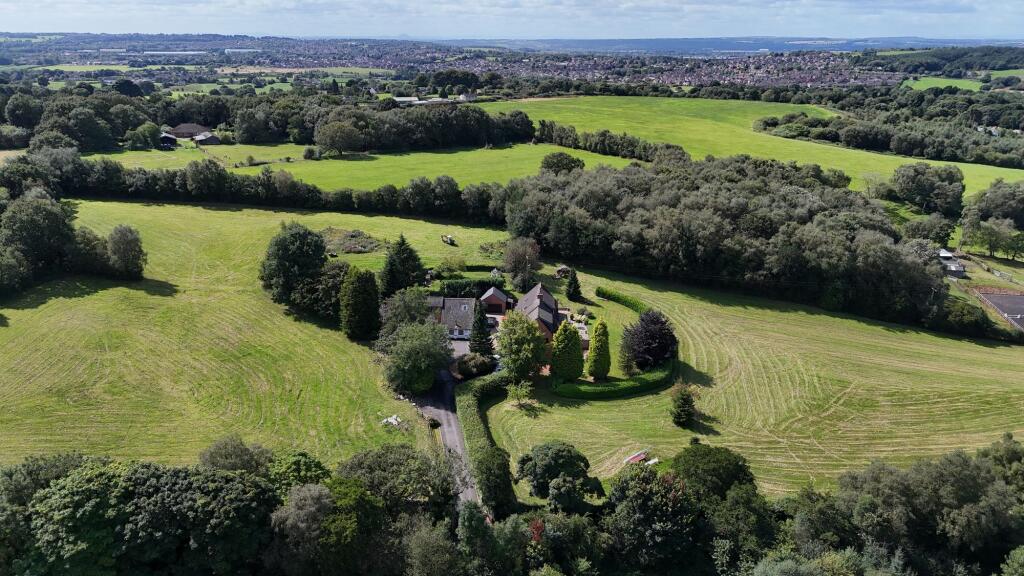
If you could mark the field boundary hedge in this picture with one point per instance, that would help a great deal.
(654, 379)
(475, 430)
(633, 303)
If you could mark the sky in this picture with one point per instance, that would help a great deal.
(988, 19)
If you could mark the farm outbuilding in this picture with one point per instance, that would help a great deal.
(188, 131)
(207, 139)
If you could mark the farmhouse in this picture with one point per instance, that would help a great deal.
(167, 140)
(540, 306)
(456, 314)
(188, 131)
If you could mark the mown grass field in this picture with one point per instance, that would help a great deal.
(927, 82)
(467, 166)
(157, 370)
(723, 128)
(1002, 73)
(803, 394)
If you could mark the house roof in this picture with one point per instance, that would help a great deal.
(458, 312)
(207, 136)
(189, 127)
(493, 291)
(538, 304)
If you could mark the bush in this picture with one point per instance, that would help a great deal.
(494, 480)
(127, 258)
(472, 365)
(962, 317)
(561, 162)
(648, 342)
(415, 354)
(653, 379)
(469, 288)
(232, 454)
(634, 304)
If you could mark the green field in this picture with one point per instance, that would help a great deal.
(802, 393)
(722, 128)
(467, 166)
(115, 67)
(157, 370)
(927, 82)
(1002, 73)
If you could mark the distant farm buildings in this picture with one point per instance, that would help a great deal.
(951, 265)
(188, 131)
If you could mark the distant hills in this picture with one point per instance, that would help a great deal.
(728, 46)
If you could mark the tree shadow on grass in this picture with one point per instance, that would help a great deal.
(81, 286)
(3, 321)
(731, 298)
(704, 424)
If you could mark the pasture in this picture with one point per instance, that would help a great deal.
(723, 128)
(467, 166)
(1002, 73)
(158, 369)
(926, 82)
(802, 393)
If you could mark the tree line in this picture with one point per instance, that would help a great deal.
(97, 120)
(39, 241)
(784, 230)
(243, 509)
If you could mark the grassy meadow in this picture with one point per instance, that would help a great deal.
(467, 166)
(927, 82)
(157, 370)
(723, 128)
(802, 393)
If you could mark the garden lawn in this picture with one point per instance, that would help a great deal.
(158, 369)
(723, 128)
(802, 393)
(466, 165)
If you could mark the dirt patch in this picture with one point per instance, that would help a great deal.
(343, 241)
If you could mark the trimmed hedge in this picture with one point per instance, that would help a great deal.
(475, 430)
(469, 287)
(634, 304)
(653, 379)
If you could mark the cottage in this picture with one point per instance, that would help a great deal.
(457, 317)
(188, 131)
(207, 139)
(467, 97)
